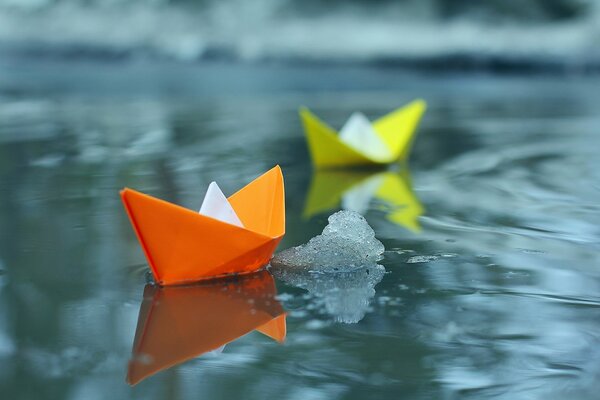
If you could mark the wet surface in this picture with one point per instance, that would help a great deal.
(492, 236)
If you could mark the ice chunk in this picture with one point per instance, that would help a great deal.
(339, 267)
(421, 259)
(343, 295)
(347, 243)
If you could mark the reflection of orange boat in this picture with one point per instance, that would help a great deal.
(183, 246)
(176, 324)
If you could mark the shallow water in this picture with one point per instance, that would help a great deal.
(492, 235)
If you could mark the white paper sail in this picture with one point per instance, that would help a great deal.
(359, 134)
(217, 206)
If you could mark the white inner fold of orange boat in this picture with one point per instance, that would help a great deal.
(216, 205)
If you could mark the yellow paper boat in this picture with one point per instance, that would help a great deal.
(176, 324)
(354, 190)
(386, 140)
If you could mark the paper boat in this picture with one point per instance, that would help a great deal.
(355, 190)
(359, 142)
(176, 324)
(184, 246)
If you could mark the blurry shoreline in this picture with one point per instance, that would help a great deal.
(498, 37)
(435, 64)
(168, 78)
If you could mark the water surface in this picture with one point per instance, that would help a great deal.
(492, 233)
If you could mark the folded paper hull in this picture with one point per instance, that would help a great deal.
(182, 246)
(176, 324)
(396, 129)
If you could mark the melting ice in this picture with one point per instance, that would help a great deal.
(346, 244)
(339, 267)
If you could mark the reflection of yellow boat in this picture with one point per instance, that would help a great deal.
(386, 140)
(176, 324)
(354, 190)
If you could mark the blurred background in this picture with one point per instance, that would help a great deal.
(491, 232)
(497, 35)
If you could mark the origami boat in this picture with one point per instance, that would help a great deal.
(359, 142)
(354, 190)
(236, 235)
(176, 324)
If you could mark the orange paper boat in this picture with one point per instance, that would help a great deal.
(183, 246)
(176, 324)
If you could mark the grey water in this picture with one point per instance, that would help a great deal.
(492, 235)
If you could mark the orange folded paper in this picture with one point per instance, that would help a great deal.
(183, 246)
(176, 324)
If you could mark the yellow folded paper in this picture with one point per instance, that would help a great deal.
(359, 142)
(354, 190)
